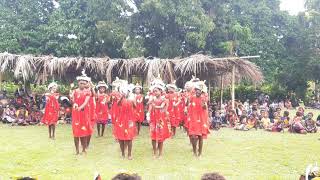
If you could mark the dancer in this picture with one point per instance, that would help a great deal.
(92, 109)
(114, 98)
(198, 124)
(102, 107)
(173, 103)
(51, 113)
(188, 87)
(159, 125)
(126, 129)
(139, 107)
(81, 119)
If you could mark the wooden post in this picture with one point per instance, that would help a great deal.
(209, 89)
(0, 80)
(232, 86)
(221, 93)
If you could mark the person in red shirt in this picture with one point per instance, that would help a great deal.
(92, 109)
(159, 122)
(126, 130)
(51, 113)
(173, 105)
(198, 123)
(102, 107)
(139, 107)
(114, 112)
(81, 117)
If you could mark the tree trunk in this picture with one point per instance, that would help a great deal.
(233, 86)
(221, 93)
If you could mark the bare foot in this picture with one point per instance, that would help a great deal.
(129, 158)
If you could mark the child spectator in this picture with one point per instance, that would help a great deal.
(9, 114)
(297, 126)
(277, 123)
(286, 119)
(252, 121)
(21, 117)
(310, 124)
(216, 121)
(35, 116)
(260, 116)
(242, 124)
(232, 118)
(265, 121)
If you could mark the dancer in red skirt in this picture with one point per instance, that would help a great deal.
(159, 122)
(188, 88)
(51, 113)
(198, 124)
(139, 107)
(81, 119)
(102, 107)
(92, 109)
(114, 98)
(173, 105)
(126, 129)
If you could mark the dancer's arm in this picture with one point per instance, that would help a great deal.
(86, 101)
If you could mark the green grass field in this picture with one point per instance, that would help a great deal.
(27, 151)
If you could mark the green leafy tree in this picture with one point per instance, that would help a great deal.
(20, 25)
(183, 22)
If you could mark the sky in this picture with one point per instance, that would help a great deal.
(292, 6)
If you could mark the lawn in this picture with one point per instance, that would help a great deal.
(237, 155)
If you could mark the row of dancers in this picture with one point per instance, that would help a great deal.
(126, 105)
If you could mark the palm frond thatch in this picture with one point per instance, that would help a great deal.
(210, 68)
(206, 67)
(155, 67)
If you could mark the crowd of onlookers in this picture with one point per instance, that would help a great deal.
(24, 109)
(273, 117)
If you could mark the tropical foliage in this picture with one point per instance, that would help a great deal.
(289, 46)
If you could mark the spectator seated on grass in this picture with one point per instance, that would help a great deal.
(212, 176)
(310, 124)
(260, 115)
(35, 116)
(286, 119)
(297, 124)
(126, 176)
(265, 122)
(216, 121)
(241, 125)
(252, 121)
(21, 117)
(232, 118)
(9, 114)
(277, 125)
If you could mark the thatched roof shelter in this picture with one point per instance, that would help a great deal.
(211, 68)
(203, 66)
